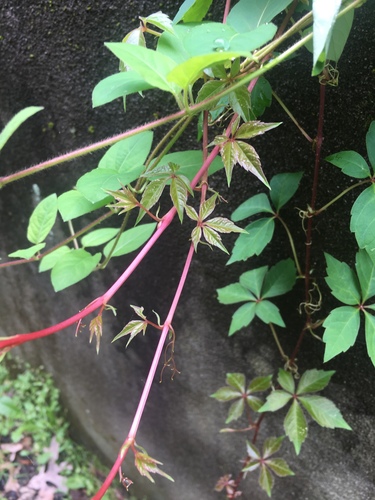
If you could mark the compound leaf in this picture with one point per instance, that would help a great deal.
(231, 294)
(266, 480)
(279, 279)
(269, 313)
(341, 330)
(279, 467)
(248, 158)
(365, 268)
(370, 335)
(362, 222)
(314, 380)
(242, 317)
(254, 205)
(276, 400)
(253, 280)
(235, 411)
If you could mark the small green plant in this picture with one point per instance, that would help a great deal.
(215, 73)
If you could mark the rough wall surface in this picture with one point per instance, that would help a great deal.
(52, 55)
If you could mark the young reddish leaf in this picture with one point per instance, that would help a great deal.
(178, 194)
(239, 101)
(295, 426)
(96, 328)
(229, 156)
(276, 400)
(151, 195)
(324, 412)
(223, 225)
(191, 212)
(196, 235)
(146, 465)
(219, 139)
(341, 330)
(272, 445)
(286, 381)
(242, 317)
(259, 384)
(213, 238)
(125, 200)
(208, 207)
(254, 128)
(266, 480)
(252, 451)
(279, 467)
(314, 380)
(235, 410)
(132, 328)
(248, 158)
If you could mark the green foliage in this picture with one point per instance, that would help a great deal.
(321, 409)
(255, 287)
(15, 122)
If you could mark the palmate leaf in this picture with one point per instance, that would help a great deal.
(254, 128)
(269, 313)
(286, 381)
(266, 480)
(362, 222)
(235, 411)
(239, 101)
(178, 191)
(276, 400)
(280, 467)
(366, 274)
(234, 293)
(253, 280)
(324, 412)
(147, 465)
(242, 317)
(248, 158)
(351, 164)
(370, 335)
(283, 187)
(314, 380)
(341, 330)
(260, 233)
(272, 446)
(223, 225)
(151, 196)
(295, 426)
(279, 279)
(213, 238)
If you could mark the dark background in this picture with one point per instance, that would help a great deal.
(52, 55)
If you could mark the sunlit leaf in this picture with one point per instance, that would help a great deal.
(72, 267)
(72, 204)
(130, 240)
(99, 236)
(27, 253)
(42, 219)
(50, 260)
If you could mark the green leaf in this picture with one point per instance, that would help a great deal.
(279, 279)
(370, 144)
(324, 18)
(27, 253)
(159, 20)
(94, 184)
(128, 153)
(261, 97)
(178, 194)
(50, 259)
(73, 204)
(239, 101)
(370, 335)
(272, 446)
(15, 122)
(259, 384)
(246, 15)
(339, 37)
(260, 233)
(314, 380)
(276, 400)
(225, 394)
(341, 330)
(295, 426)
(131, 240)
(234, 293)
(365, 268)
(248, 158)
(151, 65)
(254, 205)
(118, 85)
(235, 411)
(350, 163)
(253, 280)
(242, 317)
(254, 402)
(209, 90)
(237, 381)
(269, 313)
(72, 267)
(254, 128)
(324, 412)
(283, 187)
(192, 11)
(342, 281)
(362, 222)
(99, 236)
(266, 480)
(42, 219)
(280, 467)
(286, 381)
(186, 73)
(190, 162)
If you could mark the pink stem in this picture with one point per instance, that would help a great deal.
(150, 378)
